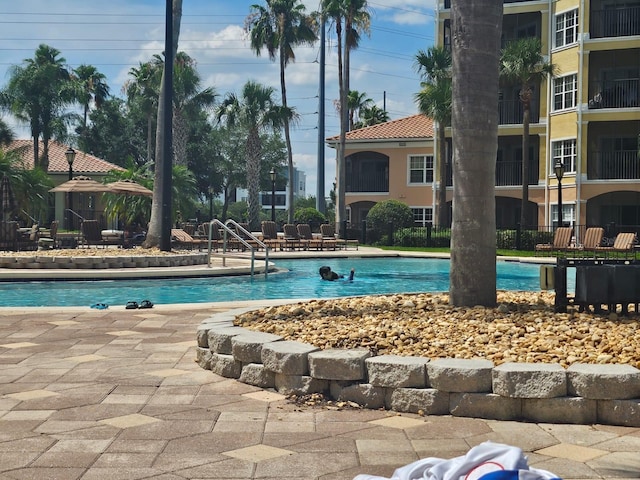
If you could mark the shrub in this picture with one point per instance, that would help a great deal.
(398, 213)
(309, 215)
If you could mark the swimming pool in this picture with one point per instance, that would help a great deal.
(373, 276)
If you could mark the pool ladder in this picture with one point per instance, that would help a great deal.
(231, 229)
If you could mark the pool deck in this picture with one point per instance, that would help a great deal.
(94, 394)
(117, 394)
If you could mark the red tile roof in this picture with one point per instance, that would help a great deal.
(84, 163)
(413, 127)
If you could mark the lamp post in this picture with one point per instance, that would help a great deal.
(71, 156)
(558, 169)
(272, 174)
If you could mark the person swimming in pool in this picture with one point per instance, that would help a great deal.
(327, 274)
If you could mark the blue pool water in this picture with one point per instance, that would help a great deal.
(373, 276)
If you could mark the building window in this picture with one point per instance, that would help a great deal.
(566, 28)
(565, 92)
(420, 169)
(564, 151)
(422, 216)
(568, 214)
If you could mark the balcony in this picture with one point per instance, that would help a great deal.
(615, 22)
(623, 93)
(509, 174)
(511, 111)
(367, 183)
(621, 165)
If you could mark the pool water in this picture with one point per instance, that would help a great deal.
(373, 276)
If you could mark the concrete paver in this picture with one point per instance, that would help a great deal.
(117, 394)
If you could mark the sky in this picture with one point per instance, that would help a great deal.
(117, 35)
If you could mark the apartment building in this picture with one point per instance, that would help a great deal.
(587, 118)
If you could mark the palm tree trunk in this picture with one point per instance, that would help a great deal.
(287, 136)
(442, 168)
(341, 168)
(476, 30)
(526, 116)
(253, 179)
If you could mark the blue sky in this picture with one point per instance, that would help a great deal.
(117, 35)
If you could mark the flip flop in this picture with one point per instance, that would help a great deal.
(100, 306)
(146, 304)
(131, 305)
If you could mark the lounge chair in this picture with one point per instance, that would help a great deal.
(292, 239)
(49, 237)
(270, 235)
(244, 232)
(92, 235)
(216, 238)
(304, 231)
(328, 233)
(624, 243)
(180, 238)
(561, 241)
(592, 239)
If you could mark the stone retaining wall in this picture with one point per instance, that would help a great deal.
(545, 393)
(102, 261)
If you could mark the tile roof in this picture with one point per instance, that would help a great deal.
(84, 163)
(413, 127)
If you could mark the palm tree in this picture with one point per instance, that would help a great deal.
(256, 111)
(522, 64)
(356, 102)
(351, 18)
(189, 99)
(158, 228)
(476, 59)
(92, 87)
(279, 27)
(372, 115)
(144, 90)
(6, 134)
(434, 101)
(36, 93)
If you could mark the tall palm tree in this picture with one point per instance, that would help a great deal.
(158, 229)
(189, 99)
(522, 64)
(278, 28)
(476, 58)
(255, 110)
(92, 87)
(143, 90)
(350, 18)
(36, 93)
(434, 101)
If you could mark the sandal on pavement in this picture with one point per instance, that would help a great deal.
(100, 306)
(131, 305)
(146, 304)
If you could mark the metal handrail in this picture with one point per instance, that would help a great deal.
(229, 231)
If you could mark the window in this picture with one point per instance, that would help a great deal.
(564, 152)
(420, 169)
(568, 214)
(565, 92)
(566, 28)
(422, 216)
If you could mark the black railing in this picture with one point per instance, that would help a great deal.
(510, 173)
(522, 239)
(613, 165)
(623, 93)
(510, 112)
(615, 22)
(373, 182)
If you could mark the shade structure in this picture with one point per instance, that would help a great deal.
(129, 187)
(7, 198)
(81, 184)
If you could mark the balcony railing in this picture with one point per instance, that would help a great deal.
(618, 22)
(367, 183)
(510, 112)
(623, 165)
(508, 174)
(624, 93)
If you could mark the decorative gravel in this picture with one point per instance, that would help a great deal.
(522, 328)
